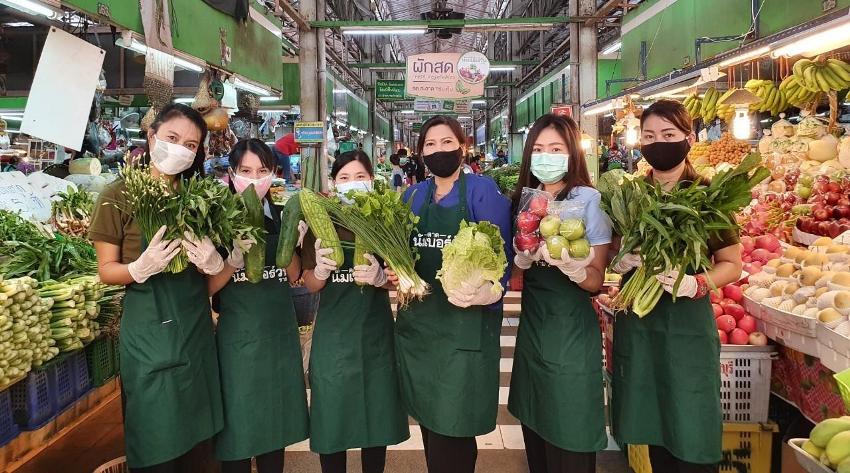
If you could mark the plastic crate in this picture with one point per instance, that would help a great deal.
(746, 448)
(745, 382)
(32, 403)
(62, 383)
(8, 428)
(82, 383)
(119, 465)
(100, 359)
(115, 353)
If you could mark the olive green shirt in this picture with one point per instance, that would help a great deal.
(112, 223)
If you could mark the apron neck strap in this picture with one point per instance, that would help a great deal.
(432, 186)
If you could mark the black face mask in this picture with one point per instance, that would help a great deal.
(443, 163)
(665, 155)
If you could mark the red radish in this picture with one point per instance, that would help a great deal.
(715, 296)
(735, 310)
(725, 323)
(768, 242)
(757, 339)
(747, 323)
(747, 244)
(539, 206)
(526, 242)
(718, 311)
(527, 222)
(761, 255)
(724, 339)
(739, 337)
(733, 292)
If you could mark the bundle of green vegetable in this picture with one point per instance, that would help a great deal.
(671, 228)
(71, 212)
(506, 177)
(15, 227)
(73, 312)
(475, 256)
(380, 221)
(25, 339)
(110, 307)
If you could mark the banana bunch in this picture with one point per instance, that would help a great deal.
(795, 93)
(822, 75)
(726, 111)
(773, 99)
(693, 105)
(708, 109)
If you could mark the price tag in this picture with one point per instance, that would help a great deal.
(843, 239)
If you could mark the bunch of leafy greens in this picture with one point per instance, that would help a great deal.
(671, 228)
(382, 222)
(475, 256)
(506, 177)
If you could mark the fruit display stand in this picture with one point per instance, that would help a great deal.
(834, 349)
(809, 463)
(787, 329)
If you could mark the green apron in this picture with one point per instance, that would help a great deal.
(355, 400)
(666, 382)
(259, 352)
(169, 368)
(556, 384)
(448, 356)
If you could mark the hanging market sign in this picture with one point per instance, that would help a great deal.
(309, 132)
(430, 105)
(416, 127)
(389, 90)
(428, 116)
(562, 110)
(347, 146)
(447, 75)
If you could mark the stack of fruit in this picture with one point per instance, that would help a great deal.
(734, 325)
(551, 230)
(796, 94)
(830, 207)
(822, 75)
(693, 104)
(708, 110)
(829, 444)
(773, 99)
(727, 150)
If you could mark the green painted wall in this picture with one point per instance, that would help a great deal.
(778, 15)
(291, 84)
(607, 69)
(256, 52)
(676, 27)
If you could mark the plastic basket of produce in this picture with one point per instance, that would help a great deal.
(792, 339)
(8, 428)
(746, 448)
(745, 382)
(808, 462)
(100, 357)
(119, 465)
(82, 382)
(61, 381)
(32, 403)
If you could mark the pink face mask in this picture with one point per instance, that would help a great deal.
(261, 185)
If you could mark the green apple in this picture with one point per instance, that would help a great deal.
(804, 192)
(550, 225)
(579, 249)
(556, 244)
(572, 229)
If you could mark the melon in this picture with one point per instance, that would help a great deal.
(785, 270)
(809, 276)
(841, 279)
(829, 316)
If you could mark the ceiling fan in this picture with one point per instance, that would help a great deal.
(443, 12)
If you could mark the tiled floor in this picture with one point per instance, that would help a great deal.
(101, 437)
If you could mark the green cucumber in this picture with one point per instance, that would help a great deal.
(289, 218)
(255, 259)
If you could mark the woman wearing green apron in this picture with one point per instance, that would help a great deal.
(355, 401)
(169, 367)
(556, 385)
(448, 343)
(259, 349)
(666, 383)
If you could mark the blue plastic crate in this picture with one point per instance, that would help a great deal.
(62, 383)
(32, 403)
(8, 428)
(82, 383)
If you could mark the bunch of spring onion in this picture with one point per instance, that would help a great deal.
(70, 212)
(671, 228)
(72, 312)
(152, 203)
(88, 328)
(25, 338)
(384, 223)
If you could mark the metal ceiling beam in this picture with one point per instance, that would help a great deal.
(292, 12)
(401, 65)
(607, 8)
(477, 23)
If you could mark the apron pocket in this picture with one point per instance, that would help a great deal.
(469, 324)
(157, 346)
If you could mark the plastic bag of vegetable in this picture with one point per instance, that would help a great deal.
(475, 256)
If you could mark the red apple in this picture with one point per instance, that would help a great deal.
(757, 339)
(768, 242)
(526, 241)
(733, 292)
(725, 323)
(724, 339)
(539, 206)
(527, 222)
(747, 323)
(832, 198)
(747, 244)
(739, 337)
(718, 311)
(715, 296)
(726, 301)
(820, 214)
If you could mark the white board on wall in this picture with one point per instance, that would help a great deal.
(63, 89)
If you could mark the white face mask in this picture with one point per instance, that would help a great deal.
(261, 185)
(170, 158)
(345, 187)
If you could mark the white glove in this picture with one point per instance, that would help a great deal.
(202, 254)
(302, 230)
(687, 288)
(468, 295)
(574, 269)
(628, 262)
(155, 257)
(524, 259)
(372, 274)
(236, 258)
(324, 266)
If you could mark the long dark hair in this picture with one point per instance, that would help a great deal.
(176, 110)
(675, 113)
(577, 174)
(349, 156)
(457, 130)
(253, 145)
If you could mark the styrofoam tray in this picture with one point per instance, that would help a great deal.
(805, 460)
(833, 340)
(832, 360)
(796, 323)
(791, 339)
(753, 308)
